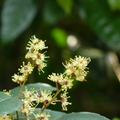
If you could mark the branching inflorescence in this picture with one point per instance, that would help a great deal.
(75, 69)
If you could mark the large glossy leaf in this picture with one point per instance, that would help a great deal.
(16, 17)
(36, 86)
(82, 116)
(9, 104)
(104, 21)
(55, 115)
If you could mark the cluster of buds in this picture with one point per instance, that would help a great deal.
(75, 69)
(35, 46)
(24, 71)
(36, 58)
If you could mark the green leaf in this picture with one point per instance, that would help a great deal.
(82, 116)
(116, 118)
(59, 36)
(103, 21)
(9, 104)
(36, 86)
(114, 4)
(66, 5)
(52, 12)
(56, 115)
(16, 17)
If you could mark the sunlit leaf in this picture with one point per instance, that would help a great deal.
(66, 5)
(116, 118)
(59, 36)
(16, 17)
(114, 4)
(9, 104)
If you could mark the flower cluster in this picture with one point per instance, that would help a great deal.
(75, 69)
(64, 100)
(63, 80)
(34, 47)
(42, 116)
(30, 98)
(24, 71)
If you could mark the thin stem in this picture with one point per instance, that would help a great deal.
(21, 87)
(25, 116)
(11, 116)
(58, 91)
(57, 86)
(17, 115)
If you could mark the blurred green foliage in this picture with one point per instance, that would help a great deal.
(115, 118)
(70, 27)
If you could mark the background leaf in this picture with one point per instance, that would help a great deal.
(59, 36)
(104, 22)
(52, 11)
(116, 118)
(16, 17)
(36, 86)
(9, 104)
(66, 5)
(114, 4)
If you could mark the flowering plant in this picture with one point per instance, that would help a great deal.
(21, 103)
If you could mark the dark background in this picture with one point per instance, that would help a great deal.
(90, 28)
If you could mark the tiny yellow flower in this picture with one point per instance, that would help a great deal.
(26, 69)
(29, 95)
(56, 77)
(35, 44)
(42, 116)
(18, 78)
(32, 55)
(5, 117)
(27, 108)
(43, 96)
(64, 101)
(67, 83)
